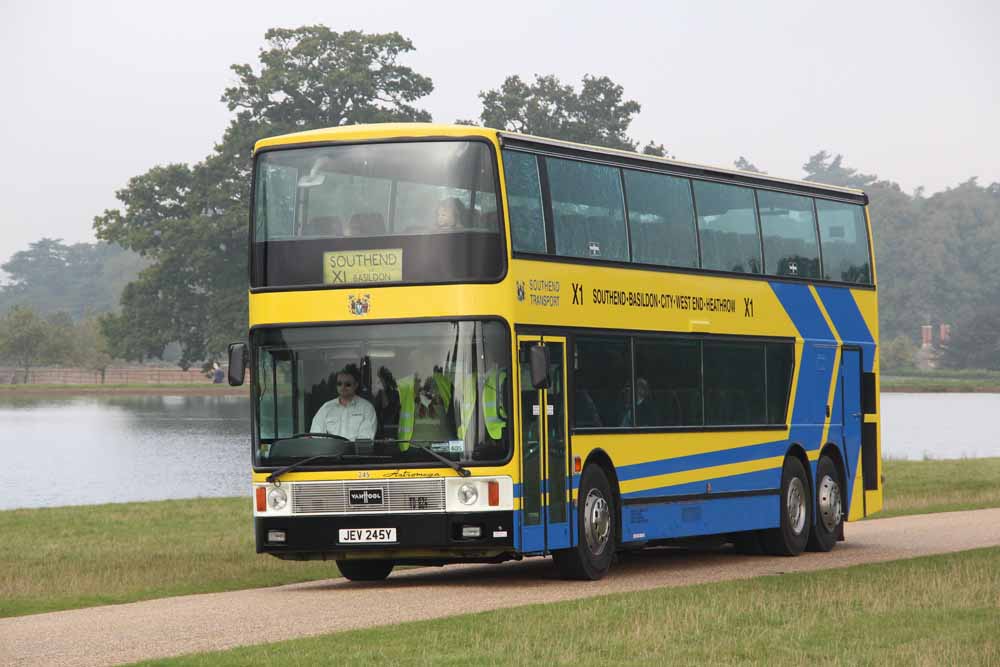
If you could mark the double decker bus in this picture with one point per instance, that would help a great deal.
(468, 345)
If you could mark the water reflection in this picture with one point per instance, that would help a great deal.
(88, 450)
(85, 450)
(939, 426)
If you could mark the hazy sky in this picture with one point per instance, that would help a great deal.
(96, 92)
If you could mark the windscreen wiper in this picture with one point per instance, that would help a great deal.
(273, 477)
(454, 465)
(311, 435)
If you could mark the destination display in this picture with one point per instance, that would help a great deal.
(383, 265)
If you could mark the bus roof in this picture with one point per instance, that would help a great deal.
(425, 130)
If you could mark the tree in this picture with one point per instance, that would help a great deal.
(27, 340)
(899, 354)
(190, 222)
(597, 115)
(976, 343)
(80, 279)
(90, 347)
(825, 168)
(744, 164)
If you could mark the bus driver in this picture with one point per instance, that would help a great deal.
(348, 415)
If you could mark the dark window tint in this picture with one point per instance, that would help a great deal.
(602, 379)
(789, 228)
(734, 383)
(524, 201)
(587, 209)
(780, 363)
(661, 219)
(844, 236)
(667, 382)
(727, 223)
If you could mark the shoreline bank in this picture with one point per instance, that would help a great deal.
(63, 391)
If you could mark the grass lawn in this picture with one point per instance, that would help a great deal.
(922, 487)
(938, 610)
(69, 557)
(942, 381)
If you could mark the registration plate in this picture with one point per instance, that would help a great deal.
(367, 535)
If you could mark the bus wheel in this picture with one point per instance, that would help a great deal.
(829, 506)
(790, 537)
(595, 549)
(365, 570)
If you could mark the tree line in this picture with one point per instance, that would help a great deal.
(188, 223)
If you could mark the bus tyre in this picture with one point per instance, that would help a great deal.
(595, 549)
(365, 570)
(829, 507)
(795, 510)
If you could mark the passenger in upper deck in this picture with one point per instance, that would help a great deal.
(451, 216)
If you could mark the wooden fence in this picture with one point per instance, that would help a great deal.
(111, 376)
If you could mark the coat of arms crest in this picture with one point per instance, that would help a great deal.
(520, 290)
(359, 304)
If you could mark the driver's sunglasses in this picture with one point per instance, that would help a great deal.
(345, 384)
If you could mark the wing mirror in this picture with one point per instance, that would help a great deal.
(539, 360)
(237, 363)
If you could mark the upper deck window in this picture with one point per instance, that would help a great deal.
(727, 223)
(524, 202)
(588, 210)
(845, 242)
(407, 212)
(661, 218)
(789, 228)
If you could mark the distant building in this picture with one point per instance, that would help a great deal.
(930, 350)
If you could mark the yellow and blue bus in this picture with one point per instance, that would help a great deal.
(468, 345)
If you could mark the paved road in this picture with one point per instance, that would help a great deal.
(174, 626)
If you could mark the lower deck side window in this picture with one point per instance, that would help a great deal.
(622, 381)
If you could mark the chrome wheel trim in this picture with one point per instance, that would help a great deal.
(795, 506)
(829, 502)
(596, 522)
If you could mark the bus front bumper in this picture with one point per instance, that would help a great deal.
(419, 538)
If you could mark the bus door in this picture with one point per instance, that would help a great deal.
(545, 507)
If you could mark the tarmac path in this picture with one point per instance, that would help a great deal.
(173, 626)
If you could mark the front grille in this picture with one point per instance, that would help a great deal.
(398, 495)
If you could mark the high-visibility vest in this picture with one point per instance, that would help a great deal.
(468, 407)
(494, 412)
(407, 409)
(443, 385)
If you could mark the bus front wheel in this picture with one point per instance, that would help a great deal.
(591, 558)
(365, 570)
(795, 512)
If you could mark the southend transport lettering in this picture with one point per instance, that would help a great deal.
(665, 301)
(544, 293)
(363, 266)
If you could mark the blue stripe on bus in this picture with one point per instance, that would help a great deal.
(851, 325)
(706, 460)
(815, 366)
(800, 305)
(749, 481)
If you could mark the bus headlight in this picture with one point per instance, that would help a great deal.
(277, 499)
(468, 494)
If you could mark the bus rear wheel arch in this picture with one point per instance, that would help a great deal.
(794, 512)
(829, 505)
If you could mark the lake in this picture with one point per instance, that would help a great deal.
(102, 449)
